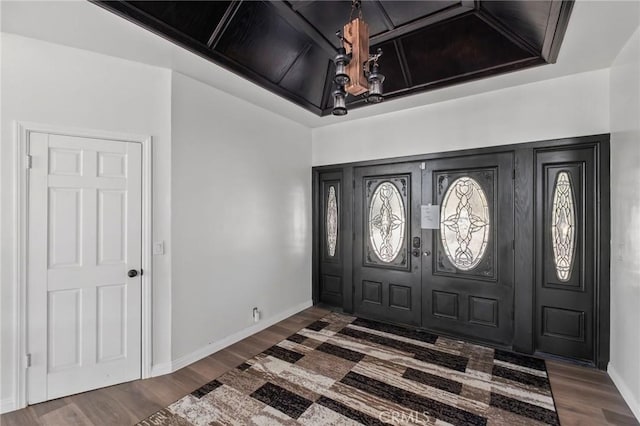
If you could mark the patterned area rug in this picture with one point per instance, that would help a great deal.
(346, 371)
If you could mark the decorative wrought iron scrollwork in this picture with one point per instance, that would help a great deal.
(332, 221)
(386, 221)
(563, 224)
(465, 223)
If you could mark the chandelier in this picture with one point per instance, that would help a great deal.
(357, 71)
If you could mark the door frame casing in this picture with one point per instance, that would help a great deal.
(22, 132)
(524, 157)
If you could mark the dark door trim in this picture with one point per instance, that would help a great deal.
(603, 249)
(524, 155)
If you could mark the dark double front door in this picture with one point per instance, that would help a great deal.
(505, 247)
(457, 279)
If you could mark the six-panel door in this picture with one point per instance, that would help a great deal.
(84, 313)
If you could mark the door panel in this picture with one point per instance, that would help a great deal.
(84, 312)
(565, 256)
(65, 243)
(65, 329)
(112, 213)
(467, 282)
(387, 236)
(111, 324)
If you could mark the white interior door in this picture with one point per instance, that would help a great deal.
(84, 311)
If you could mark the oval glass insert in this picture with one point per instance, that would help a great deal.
(563, 235)
(386, 221)
(464, 223)
(332, 221)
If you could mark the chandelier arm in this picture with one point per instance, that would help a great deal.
(372, 58)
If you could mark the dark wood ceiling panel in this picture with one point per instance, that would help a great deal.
(197, 19)
(301, 79)
(329, 87)
(331, 15)
(462, 46)
(403, 12)
(296, 20)
(259, 39)
(528, 19)
(288, 47)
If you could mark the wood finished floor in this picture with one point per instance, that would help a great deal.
(583, 396)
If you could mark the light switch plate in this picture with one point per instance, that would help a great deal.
(158, 248)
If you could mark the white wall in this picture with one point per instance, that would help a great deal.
(241, 215)
(624, 367)
(232, 181)
(563, 107)
(241, 207)
(51, 84)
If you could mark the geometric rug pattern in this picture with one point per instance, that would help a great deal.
(343, 370)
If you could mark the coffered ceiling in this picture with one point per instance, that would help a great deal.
(596, 32)
(287, 47)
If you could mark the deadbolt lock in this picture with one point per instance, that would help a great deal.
(416, 242)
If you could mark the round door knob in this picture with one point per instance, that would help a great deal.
(132, 273)
(427, 253)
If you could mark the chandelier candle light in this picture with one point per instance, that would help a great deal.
(357, 72)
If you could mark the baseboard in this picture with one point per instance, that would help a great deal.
(160, 369)
(626, 393)
(9, 404)
(6, 405)
(211, 348)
